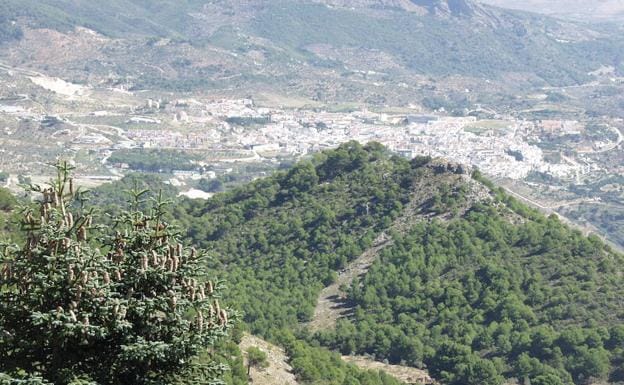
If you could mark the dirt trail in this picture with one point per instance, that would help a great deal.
(406, 374)
(278, 371)
(332, 304)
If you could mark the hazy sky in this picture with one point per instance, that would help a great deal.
(595, 9)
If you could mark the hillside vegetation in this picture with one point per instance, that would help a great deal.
(115, 18)
(497, 291)
(487, 43)
(477, 289)
(481, 46)
(481, 297)
(279, 240)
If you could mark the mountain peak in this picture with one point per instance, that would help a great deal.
(449, 7)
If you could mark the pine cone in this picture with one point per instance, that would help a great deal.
(82, 234)
(173, 300)
(217, 307)
(223, 317)
(200, 321)
(155, 260)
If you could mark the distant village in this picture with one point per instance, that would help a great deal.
(500, 148)
(236, 130)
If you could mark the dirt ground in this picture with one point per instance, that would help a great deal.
(278, 372)
(403, 373)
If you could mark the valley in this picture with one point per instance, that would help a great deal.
(382, 192)
(109, 132)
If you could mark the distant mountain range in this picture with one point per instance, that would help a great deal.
(437, 7)
(601, 10)
(318, 48)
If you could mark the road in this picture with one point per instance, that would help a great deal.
(586, 229)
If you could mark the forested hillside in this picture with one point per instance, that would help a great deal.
(477, 296)
(279, 240)
(481, 46)
(475, 287)
(480, 297)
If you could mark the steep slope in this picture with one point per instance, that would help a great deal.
(474, 287)
(498, 293)
(333, 303)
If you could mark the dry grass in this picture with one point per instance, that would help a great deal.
(279, 372)
(406, 374)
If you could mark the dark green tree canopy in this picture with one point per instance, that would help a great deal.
(129, 305)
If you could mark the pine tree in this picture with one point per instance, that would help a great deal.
(129, 306)
(256, 358)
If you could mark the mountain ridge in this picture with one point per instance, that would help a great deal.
(292, 46)
(494, 291)
(434, 7)
(599, 11)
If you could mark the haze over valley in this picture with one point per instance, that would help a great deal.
(600, 10)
